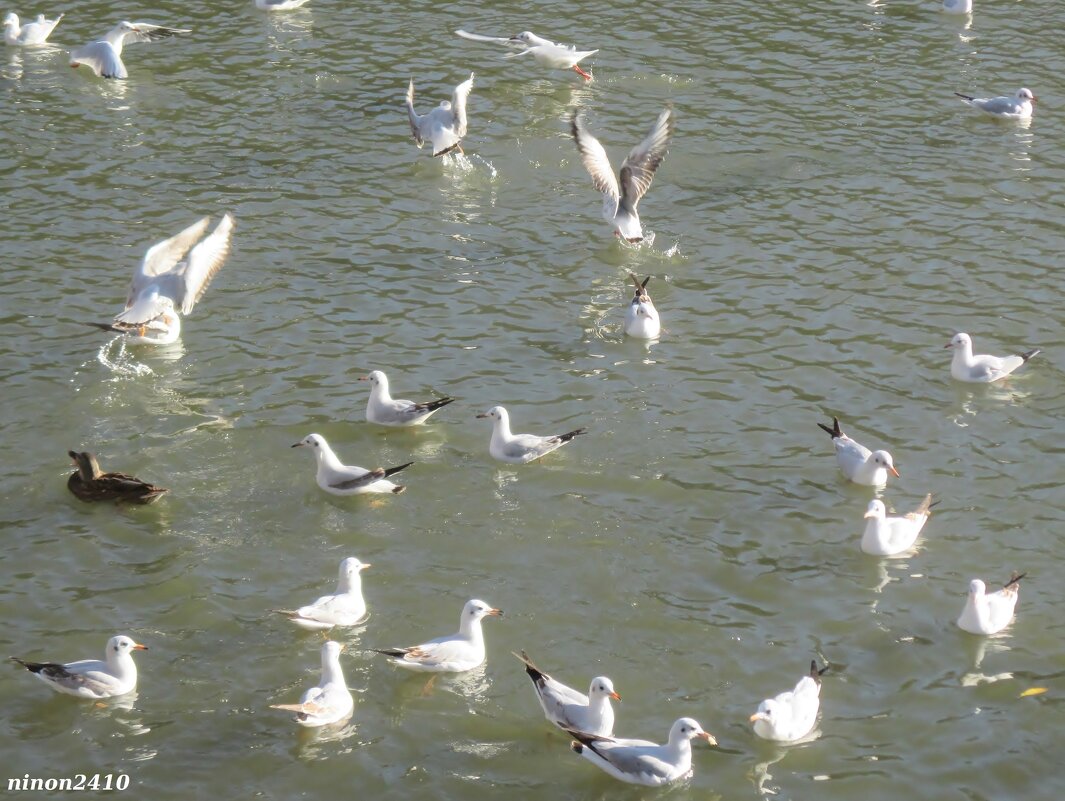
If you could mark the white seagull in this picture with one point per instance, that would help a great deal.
(857, 462)
(641, 317)
(116, 674)
(791, 715)
(549, 54)
(104, 56)
(887, 536)
(572, 710)
(620, 197)
(32, 33)
(385, 410)
(279, 5)
(329, 702)
(166, 283)
(455, 653)
(1016, 107)
(345, 607)
(341, 479)
(958, 6)
(641, 761)
(981, 369)
(445, 125)
(521, 448)
(989, 613)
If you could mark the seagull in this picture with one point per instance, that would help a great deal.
(521, 448)
(641, 761)
(32, 33)
(385, 410)
(857, 462)
(455, 653)
(637, 172)
(341, 479)
(90, 483)
(167, 283)
(958, 6)
(445, 125)
(887, 536)
(981, 369)
(279, 5)
(104, 56)
(571, 710)
(329, 702)
(547, 53)
(1017, 107)
(791, 715)
(641, 318)
(986, 613)
(345, 607)
(115, 674)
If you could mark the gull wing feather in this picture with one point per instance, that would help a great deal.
(597, 163)
(205, 260)
(412, 116)
(638, 169)
(147, 32)
(162, 257)
(474, 37)
(458, 105)
(102, 58)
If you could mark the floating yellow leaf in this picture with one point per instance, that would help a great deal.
(1033, 691)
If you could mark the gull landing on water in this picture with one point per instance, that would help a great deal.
(641, 318)
(32, 33)
(791, 715)
(341, 479)
(166, 282)
(385, 410)
(989, 613)
(1016, 107)
(445, 125)
(116, 674)
(982, 369)
(345, 607)
(620, 197)
(104, 56)
(857, 462)
(547, 53)
(521, 448)
(641, 761)
(329, 702)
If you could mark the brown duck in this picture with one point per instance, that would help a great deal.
(90, 483)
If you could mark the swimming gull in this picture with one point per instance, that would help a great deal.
(445, 125)
(104, 56)
(569, 709)
(385, 410)
(521, 448)
(857, 462)
(547, 53)
(345, 607)
(887, 536)
(1016, 107)
(641, 317)
(330, 701)
(116, 674)
(454, 653)
(989, 613)
(621, 195)
(791, 715)
(982, 369)
(279, 5)
(32, 33)
(642, 761)
(341, 479)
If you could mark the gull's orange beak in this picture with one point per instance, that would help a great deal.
(949, 345)
(704, 735)
(894, 471)
(138, 647)
(298, 445)
(495, 612)
(364, 378)
(365, 565)
(755, 716)
(615, 696)
(481, 415)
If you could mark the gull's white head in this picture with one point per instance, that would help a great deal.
(120, 645)
(883, 459)
(976, 588)
(768, 711)
(331, 650)
(496, 413)
(686, 729)
(351, 567)
(602, 687)
(11, 19)
(1025, 94)
(314, 441)
(476, 610)
(876, 509)
(960, 341)
(526, 37)
(376, 379)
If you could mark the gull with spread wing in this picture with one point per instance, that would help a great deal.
(622, 193)
(546, 53)
(445, 125)
(32, 33)
(104, 56)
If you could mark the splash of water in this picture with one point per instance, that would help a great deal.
(119, 361)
